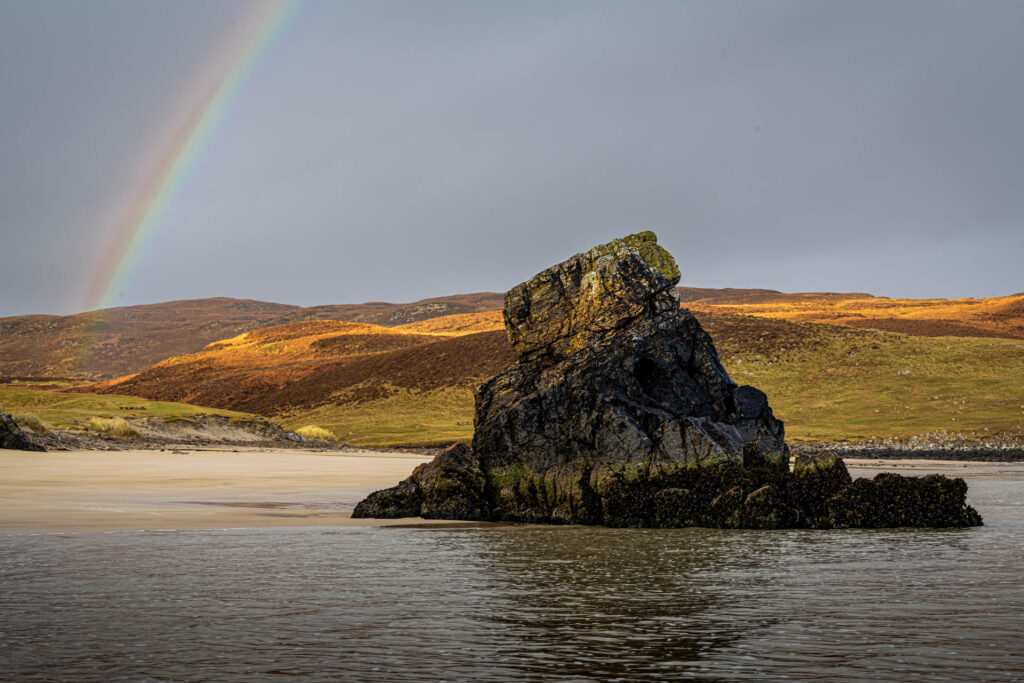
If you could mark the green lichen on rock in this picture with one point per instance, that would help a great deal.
(559, 495)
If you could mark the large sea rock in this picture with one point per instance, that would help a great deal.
(12, 437)
(619, 412)
(612, 369)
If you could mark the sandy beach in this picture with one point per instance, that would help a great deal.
(68, 491)
(116, 490)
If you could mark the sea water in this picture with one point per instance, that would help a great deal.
(519, 602)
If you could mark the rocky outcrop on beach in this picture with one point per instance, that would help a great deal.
(618, 412)
(12, 437)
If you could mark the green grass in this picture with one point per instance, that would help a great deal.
(65, 410)
(406, 418)
(884, 385)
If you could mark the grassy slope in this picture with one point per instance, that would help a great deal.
(370, 385)
(836, 383)
(435, 417)
(464, 323)
(63, 410)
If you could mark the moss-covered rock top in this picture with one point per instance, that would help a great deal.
(579, 301)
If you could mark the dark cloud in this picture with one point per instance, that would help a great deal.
(403, 150)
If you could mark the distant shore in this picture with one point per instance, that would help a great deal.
(88, 490)
(940, 448)
(213, 432)
(912, 467)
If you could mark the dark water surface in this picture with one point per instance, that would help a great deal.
(525, 602)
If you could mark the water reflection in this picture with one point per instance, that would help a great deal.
(601, 602)
(534, 603)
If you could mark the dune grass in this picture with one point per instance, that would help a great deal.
(64, 410)
(314, 432)
(29, 421)
(115, 426)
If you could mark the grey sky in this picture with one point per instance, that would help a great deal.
(396, 151)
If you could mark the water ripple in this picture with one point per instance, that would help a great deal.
(533, 603)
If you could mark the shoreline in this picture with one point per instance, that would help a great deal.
(211, 488)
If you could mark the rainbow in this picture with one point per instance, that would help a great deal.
(176, 150)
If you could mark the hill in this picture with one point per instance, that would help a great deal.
(119, 341)
(413, 384)
(991, 317)
(730, 295)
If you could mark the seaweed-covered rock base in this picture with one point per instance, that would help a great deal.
(817, 494)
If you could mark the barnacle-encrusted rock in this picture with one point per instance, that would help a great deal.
(620, 413)
(890, 500)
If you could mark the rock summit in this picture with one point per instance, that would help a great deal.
(619, 412)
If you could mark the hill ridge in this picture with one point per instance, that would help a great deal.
(114, 342)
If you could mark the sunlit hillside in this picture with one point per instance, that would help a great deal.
(992, 317)
(293, 370)
(118, 341)
(240, 369)
(465, 323)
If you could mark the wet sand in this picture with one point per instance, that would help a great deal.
(200, 489)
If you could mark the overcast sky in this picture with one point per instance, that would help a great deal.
(395, 151)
